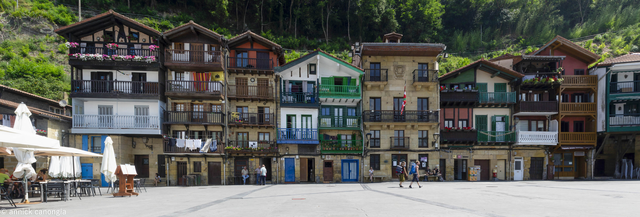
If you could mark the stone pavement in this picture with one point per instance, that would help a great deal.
(524, 198)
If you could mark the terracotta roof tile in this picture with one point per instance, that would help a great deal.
(486, 62)
(244, 34)
(627, 58)
(110, 12)
(319, 50)
(570, 44)
(29, 94)
(35, 111)
(193, 24)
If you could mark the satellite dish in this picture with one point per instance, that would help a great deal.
(62, 103)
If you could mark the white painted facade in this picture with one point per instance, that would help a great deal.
(120, 75)
(86, 116)
(298, 112)
(601, 108)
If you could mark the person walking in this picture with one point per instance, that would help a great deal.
(401, 170)
(263, 175)
(258, 175)
(415, 171)
(245, 175)
(371, 174)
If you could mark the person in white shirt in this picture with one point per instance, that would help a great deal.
(263, 175)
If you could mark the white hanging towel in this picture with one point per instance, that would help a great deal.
(189, 144)
(197, 144)
(180, 143)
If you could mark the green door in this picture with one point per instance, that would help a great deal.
(500, 92)
(481, 126)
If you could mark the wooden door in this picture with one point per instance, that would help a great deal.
(485, 170)
(87, 171)
(182, 172)
(396, 159)
(536, 168)
(443, 168)
(304, 170)
(501, 169)
(580, 167)
(262, 60)
(142, 166)
(328, 171)
(214, 171)
(196, 52)
(263, 88)
(242, 88)
(137, 82)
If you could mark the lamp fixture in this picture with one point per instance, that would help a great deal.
(98, 38)
(144, 40)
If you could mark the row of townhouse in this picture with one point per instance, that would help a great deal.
(319, 118)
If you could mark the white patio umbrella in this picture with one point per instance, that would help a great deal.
(109, 164)
(10, 137)
(24, 155)
(54, 167)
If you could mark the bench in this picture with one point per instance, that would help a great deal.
(375, 177)
(432, 177)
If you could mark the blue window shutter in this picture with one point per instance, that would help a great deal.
(103, 138)
(85, 142)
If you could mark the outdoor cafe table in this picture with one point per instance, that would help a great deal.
(67, 188)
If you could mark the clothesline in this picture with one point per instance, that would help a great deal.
(195, 144)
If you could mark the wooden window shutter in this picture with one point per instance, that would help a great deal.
(493, 123)
(173, 106)
(207, 107)
(482, 87)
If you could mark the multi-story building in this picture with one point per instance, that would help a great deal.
(50, 118)
(251, 105)
(618, 122)
(392, 69)
(320, 125)
(476, 121)
(195, 90)
(116, 90)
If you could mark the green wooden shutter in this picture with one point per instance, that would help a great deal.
(506, 123)
(353, 140)
(493, 123)
(340, 140)
(481, 125)
(500, 87)
(482, 87)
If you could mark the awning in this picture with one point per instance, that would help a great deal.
(10, 137)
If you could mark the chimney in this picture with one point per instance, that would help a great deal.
(392, 37)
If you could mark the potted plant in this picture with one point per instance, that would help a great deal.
(458, 90)
(112, 46)
(132, 38)
(475, 89)
(444, 89)
(559, 70)
(107, 38)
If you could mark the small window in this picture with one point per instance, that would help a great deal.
(374, 161)
(578, 72)
(263, 137)
(448, 123)
(197, 166)
(216, 108)
(375, 139)
(423, 138)
(463, 123)
(96, 144)
(312, 69)
(134, 36)
(179, 76)
(179, 134)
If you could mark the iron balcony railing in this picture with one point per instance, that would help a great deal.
(338, 91)
(425, 75)
(496, 136)
(625, 87)
(299, 97)
(210, 87)
(248, 91)
(116, 122)
(341, 146)
(124, 87)
(537, 138)
(193, 56)
(375, 75)
(297, 134)
(538, 106)
(329, 121)
(497, 97)
(398, 116)
(111, 52)
(251, 146)
(624, 120)
(250, 63)
(202, 117)
(252, 118)
(399, 142)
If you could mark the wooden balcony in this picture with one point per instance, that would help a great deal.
(297, 136)
(195, 89)
(247, 92)
(167, 148)
(578, 138)
(401, 143)
(458, 136)
(408, 116)
(245, 147)
(497, 98)
(115, 89)
(624, 87)
(496, 136)
(252, 119)
(538, 106)
(194, 117)
(237, 64)
(339, 122)
(121, 58)
(193, 60)
(458, 99)
(423, 77)
(299, 99)
(339, 91)
(580, 81)
(537, 138)
(334, 146)
(578, 108)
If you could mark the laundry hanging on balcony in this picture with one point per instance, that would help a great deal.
(204, 77)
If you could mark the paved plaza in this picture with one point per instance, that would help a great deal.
(525, 198)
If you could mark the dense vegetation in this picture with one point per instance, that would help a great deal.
(471, 29)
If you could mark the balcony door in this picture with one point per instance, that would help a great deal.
(423, 72)
(196, 52)
(242, 60)
(374, 72)
(263, 115)
(242, 88)
(398, 140)
(481, 126)
(263, 88)
(352, 118)
(500, 126)
(198, 111)
(138, 82)
(100, 82)
(243, 114)
(242, 140)
(307, 126)
(141, 113)
(398, 114)
(105, 116)
(375, 106)
(338, 116)
(262, 61)
(290, 131)
(423, 109)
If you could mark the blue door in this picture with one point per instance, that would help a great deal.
(289, 170)
(104, 181)
(350, 170)
(87, 171)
